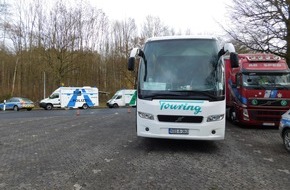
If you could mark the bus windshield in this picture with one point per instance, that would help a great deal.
(181, 69)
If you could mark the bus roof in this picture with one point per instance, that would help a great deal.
(179, 37)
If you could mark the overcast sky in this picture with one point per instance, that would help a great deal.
(200, 16)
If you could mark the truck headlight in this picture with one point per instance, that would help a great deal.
(245, 113)
(146, 115)
(215, 117)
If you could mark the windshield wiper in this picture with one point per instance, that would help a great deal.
(262, 86)
(281, 86)
(201, 95)
(158, 95)
(206, 94)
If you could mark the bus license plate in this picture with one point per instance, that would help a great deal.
(178, 131)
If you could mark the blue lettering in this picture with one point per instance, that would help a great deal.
(197, 109)
(166, 106)
(191, 108)
(180, 106)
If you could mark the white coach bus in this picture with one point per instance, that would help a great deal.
(181, 87)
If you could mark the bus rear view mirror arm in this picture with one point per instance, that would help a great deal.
(228, 47)
(137, 53)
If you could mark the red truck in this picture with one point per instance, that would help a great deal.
(258, 89)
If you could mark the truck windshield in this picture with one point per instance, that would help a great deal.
(180, 69)
(266, 80)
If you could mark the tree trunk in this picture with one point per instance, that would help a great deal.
(14, 77)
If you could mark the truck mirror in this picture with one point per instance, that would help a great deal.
(131, 63)
(234, 60)
(229, 47)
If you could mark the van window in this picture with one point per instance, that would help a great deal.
(53, 96)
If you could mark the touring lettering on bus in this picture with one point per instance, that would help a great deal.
(181, 105)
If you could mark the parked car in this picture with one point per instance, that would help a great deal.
(284, 129)
(17, 103)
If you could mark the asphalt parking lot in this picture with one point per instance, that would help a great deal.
(98, 149)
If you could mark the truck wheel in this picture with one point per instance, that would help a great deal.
(15, 108)
(115, 106)
(232, 115)
(286, 139)
(85, 106)
(48, 107)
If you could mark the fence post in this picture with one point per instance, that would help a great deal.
(4, 106)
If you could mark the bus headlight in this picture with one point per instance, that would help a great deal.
(215, 117)
(146, 115)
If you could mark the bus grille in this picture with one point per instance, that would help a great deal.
(180, 118)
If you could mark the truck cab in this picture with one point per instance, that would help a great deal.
(53, 101)
(121, 98)
(258, 89)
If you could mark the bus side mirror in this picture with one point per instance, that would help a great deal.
(234, 59)
(131, 63)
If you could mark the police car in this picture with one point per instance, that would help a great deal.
(17, 103)
(284, 129)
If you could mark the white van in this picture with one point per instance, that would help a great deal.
(71, 97)
(122, 98)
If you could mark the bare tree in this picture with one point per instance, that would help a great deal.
(261, 25)
(154, 27)
(4, 16)
(61, 39)
(124, 34)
